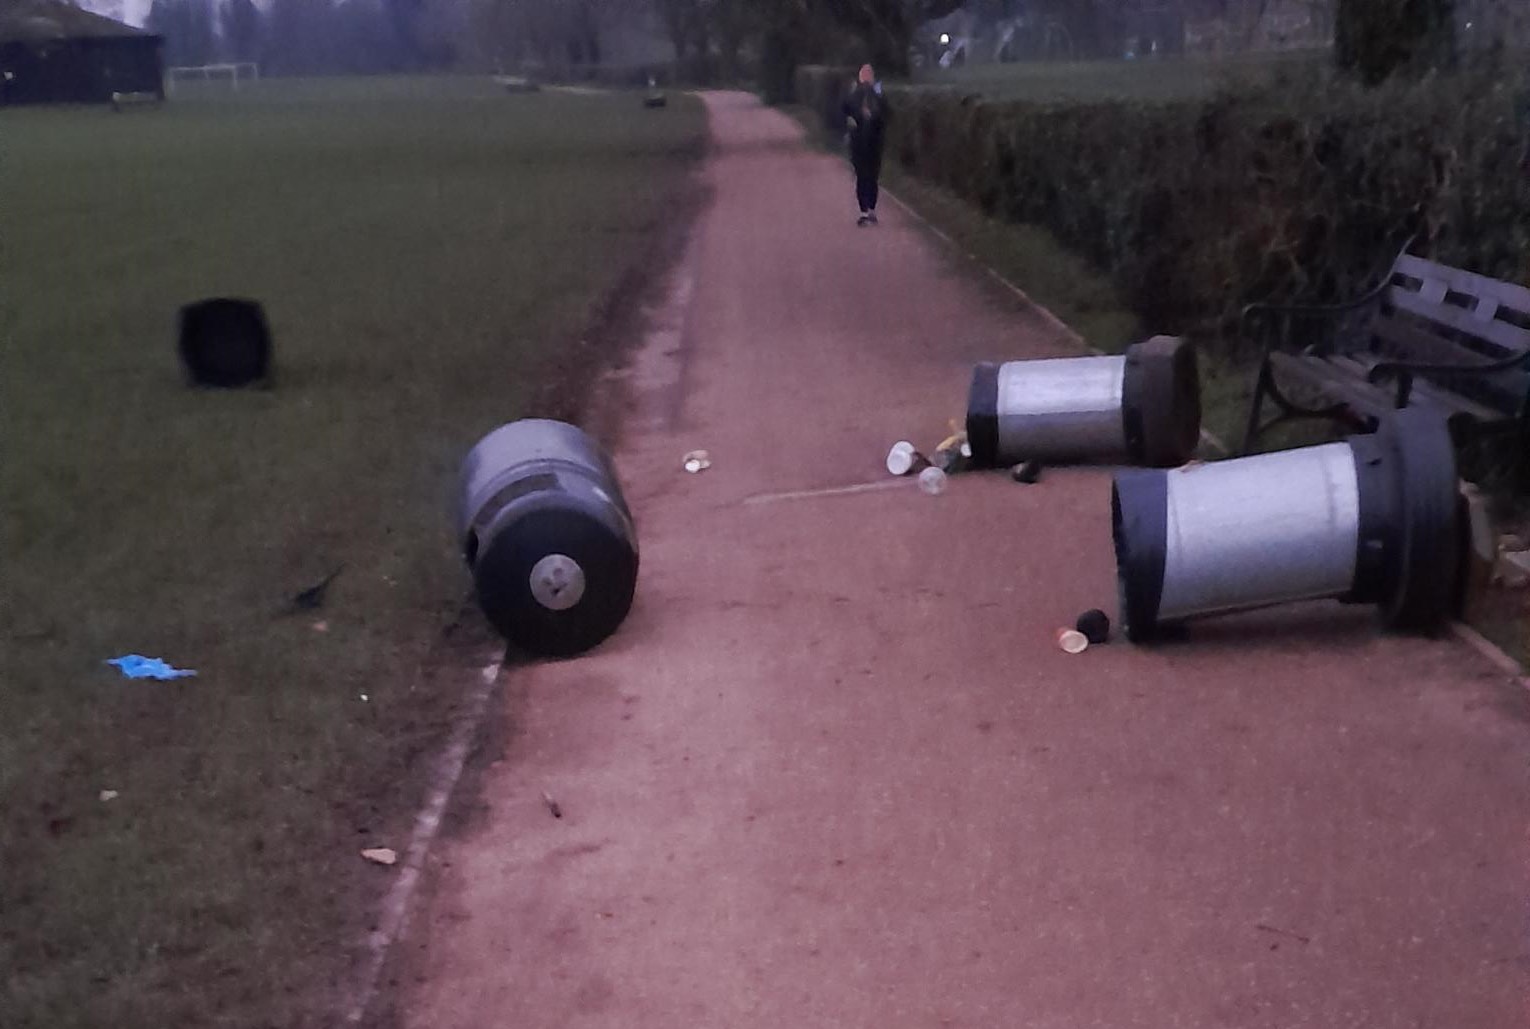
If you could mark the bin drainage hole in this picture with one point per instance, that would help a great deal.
(557, 582)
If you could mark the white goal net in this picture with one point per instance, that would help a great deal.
(232, 72)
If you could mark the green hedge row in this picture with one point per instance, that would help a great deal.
(1196, 207)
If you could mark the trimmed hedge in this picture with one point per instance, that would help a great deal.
(1196, 207)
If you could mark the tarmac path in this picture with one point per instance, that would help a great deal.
(834, 770)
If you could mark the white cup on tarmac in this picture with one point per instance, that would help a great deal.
(903, 459)
(1072, 641)
(933, 481)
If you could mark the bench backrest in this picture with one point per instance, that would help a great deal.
(1434, 313)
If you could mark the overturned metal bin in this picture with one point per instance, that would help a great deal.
(547, 536)
(225, 342)
(1372, 520)
(1142, 407)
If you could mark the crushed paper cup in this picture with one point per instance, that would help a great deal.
(955, 441)
(953, 453)
(948, 460)
(1072, 641)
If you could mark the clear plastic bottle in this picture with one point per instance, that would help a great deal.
(933, 481)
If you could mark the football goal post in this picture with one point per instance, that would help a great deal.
(232, 72)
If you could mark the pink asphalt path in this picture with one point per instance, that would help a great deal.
(835, 772)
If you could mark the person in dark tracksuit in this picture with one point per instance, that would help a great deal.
(866, 117)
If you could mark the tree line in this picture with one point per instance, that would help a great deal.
(719, 39)
(709, 38)
(308, 37)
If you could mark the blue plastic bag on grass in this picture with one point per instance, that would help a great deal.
(136, 666)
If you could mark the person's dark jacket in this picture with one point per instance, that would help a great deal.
(866, 109)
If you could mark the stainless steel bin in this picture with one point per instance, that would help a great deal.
(1142, 407)
(1375, 519)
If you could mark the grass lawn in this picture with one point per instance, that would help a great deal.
(430, 252)
(1161, 79)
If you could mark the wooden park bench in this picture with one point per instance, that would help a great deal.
(1428, 335)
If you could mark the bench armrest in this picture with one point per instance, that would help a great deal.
(1385, 369)
(1405, 370)
(1269, 313)
(1262, 320)
(1313, 310)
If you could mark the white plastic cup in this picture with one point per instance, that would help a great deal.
(1072, 641)
(932, 481)
(903, 459)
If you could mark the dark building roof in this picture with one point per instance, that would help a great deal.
(35, 21)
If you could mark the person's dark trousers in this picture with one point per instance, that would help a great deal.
(868, 168)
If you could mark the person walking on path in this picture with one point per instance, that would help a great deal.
(866, 116)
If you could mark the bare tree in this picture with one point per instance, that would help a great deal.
(555, 32)
(734, 22)
(240, 20)
(685, 21)
(887, 26)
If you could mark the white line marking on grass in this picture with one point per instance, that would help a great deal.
(397, 905)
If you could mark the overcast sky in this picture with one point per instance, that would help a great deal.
(134, 12)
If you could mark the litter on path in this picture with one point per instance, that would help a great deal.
(903, 459)
(1027, 472)
(312, 597)
(953, 454)
(1072, 641)
(1095, 625)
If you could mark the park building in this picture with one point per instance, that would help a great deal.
(54, 52)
